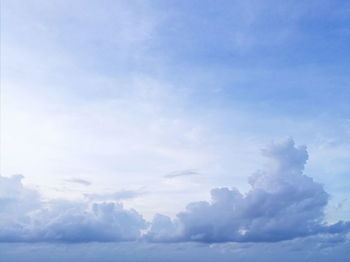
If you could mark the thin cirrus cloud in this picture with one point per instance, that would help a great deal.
(282, 204)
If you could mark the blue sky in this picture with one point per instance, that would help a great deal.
(115, 111)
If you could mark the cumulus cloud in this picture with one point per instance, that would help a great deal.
(16, 203)
(25, 217)
(163, 229)
(282, 204)
(97, 222)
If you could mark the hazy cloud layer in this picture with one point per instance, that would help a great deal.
(282, 204)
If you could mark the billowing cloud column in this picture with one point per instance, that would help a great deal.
(282, 204)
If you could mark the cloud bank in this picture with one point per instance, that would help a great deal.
(282, 204)
(26, 218)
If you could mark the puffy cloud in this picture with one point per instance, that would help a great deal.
(98, 222)
(16, 202)
(14, 198)
(24, 217)
(162, 229)
(282, 204)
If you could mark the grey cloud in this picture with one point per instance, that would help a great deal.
(282, 204)
(16, 200)
(26, 218)
(188, 172)
(102, 222)
(162, 229)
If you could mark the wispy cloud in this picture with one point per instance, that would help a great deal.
(179, 173)
(78, 181)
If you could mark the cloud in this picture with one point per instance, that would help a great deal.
(188, 172)
(26, 218)
(282, 204)
(16, 202)
(162, 229)
(16, 199)
(78, 181)
(100, 222)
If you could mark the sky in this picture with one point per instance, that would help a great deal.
(161, 130)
